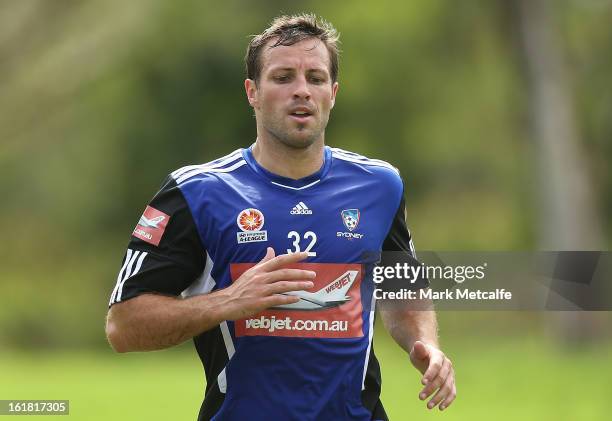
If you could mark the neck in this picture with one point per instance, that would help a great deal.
(288, 162)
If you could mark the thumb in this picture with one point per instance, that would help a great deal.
(269, 255)
(419, 351)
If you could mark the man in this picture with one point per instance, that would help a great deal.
(262, 256)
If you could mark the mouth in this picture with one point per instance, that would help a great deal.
(300, 114)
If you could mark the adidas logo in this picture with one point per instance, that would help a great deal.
(301, 209)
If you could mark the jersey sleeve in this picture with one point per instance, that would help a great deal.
(165, 254)
(398, 244)
(399, 238)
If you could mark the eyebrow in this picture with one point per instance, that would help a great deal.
(277, 69)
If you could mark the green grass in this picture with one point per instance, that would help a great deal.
(507, 379)
(105, 386)
(501, 379)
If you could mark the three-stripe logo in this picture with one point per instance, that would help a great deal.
(131, 266)
(301, 209)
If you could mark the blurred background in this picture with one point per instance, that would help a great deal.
(497, 113)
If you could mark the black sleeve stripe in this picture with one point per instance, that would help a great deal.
(398, 238)
(171, 265)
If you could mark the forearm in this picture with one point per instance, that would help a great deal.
(151, 322)
(415, 329)
(411, 323)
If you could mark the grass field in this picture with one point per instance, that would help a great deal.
(501, 379)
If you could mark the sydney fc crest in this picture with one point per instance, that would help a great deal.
(350, 217)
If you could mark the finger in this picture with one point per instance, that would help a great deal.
(269, 255)
(289, 275)
(281, 287)
(419, 351)
(282, 260)
(442, 393)
(440, 379)
(435, 365)
(278, 300)
(450, 398)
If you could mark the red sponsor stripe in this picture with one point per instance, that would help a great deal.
(341, 321)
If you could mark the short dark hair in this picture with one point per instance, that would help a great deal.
(290, 30)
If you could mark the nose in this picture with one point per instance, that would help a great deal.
(301, 90)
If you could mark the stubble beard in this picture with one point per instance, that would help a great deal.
(295, 136)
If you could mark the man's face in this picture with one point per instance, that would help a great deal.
(294, 95)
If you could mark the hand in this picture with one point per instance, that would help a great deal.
(438, 374)
(263, 285)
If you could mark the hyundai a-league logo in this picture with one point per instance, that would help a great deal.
(251, 221)
(350, 217)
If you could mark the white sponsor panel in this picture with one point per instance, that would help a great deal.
(251, 237)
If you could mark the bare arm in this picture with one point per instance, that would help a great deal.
(151, 322)
(414, 327)
(408, 324)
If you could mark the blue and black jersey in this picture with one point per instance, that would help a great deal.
(311, 360)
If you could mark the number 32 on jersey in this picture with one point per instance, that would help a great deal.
(309, 237)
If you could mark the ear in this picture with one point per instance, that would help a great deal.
(334, 92)
(251, 92)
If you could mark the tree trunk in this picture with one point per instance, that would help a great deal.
(567, 213)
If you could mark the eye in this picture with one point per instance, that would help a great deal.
(281, 78)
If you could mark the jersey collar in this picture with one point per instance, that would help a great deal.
(289, 183)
